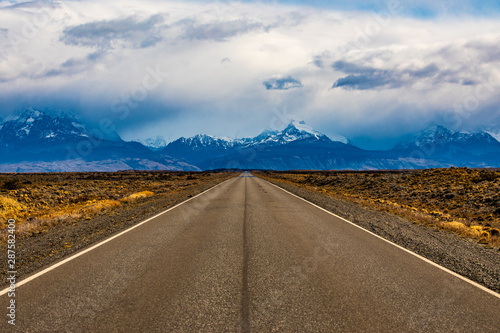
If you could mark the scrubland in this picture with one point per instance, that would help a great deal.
(38, 202)
(459, 200)
(59, 214)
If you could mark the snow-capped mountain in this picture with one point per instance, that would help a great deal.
(201, 141)
(296, 146)
(299, 146)
(295, 131)
(495, 134)
(441, 145)
(38, 127)
(440, 136)
(200, 147)
(37, 141)
(154, 143)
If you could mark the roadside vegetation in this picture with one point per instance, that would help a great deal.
(40, 201)
(460, 200)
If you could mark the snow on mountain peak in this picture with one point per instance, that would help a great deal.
(154, 143)
(29, 115)
(440, 136)
(203, 140)
(495, 135)
(307, 131)
(302, 127)
(37, 126)
(433, 134)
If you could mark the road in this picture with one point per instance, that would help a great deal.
(247, 256)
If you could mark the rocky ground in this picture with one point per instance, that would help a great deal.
(460, 200)
(463, 255)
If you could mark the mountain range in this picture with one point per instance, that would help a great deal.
(37, 141)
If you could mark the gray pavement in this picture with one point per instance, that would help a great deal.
(249, 257)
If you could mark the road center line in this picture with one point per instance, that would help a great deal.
(491, 292)
(245, 297)
(62, 262)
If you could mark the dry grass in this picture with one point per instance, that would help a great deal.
(9, 207)
(40, 201)
(139, 195)
(460, 200)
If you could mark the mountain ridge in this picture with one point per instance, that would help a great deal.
(38, 141)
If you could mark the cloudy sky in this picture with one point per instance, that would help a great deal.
(370, 70)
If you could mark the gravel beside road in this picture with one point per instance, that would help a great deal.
(40, 250)
(460, 255)
(463, 256)
(248, 257)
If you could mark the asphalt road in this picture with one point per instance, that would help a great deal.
(247, 256)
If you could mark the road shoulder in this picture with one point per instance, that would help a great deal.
(460, 255)
(39, 251)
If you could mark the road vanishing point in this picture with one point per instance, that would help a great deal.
(247, 256)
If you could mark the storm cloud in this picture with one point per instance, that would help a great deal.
(126, 32)
(282, 83)
(218, 31)
(363, 78)
(232, 68)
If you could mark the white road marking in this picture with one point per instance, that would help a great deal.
(396, 245)
(62, 262)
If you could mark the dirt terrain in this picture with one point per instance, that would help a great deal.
(450, 216)
(362, 198)
(58, 214)
(460, 200)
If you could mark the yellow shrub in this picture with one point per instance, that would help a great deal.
(101, 205)
(456, 226)
(138, 195)
(10, 205)
(476, 230)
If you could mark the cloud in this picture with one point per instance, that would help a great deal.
(364, 78)
(282, 84)
(30, 5)
(487, 51)
(4, 35)
(363, 82)
(351, 68)
(81, 62)
(318, 61)
(126, 32)
(218, 31)
(74, 66)
(85, 55)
